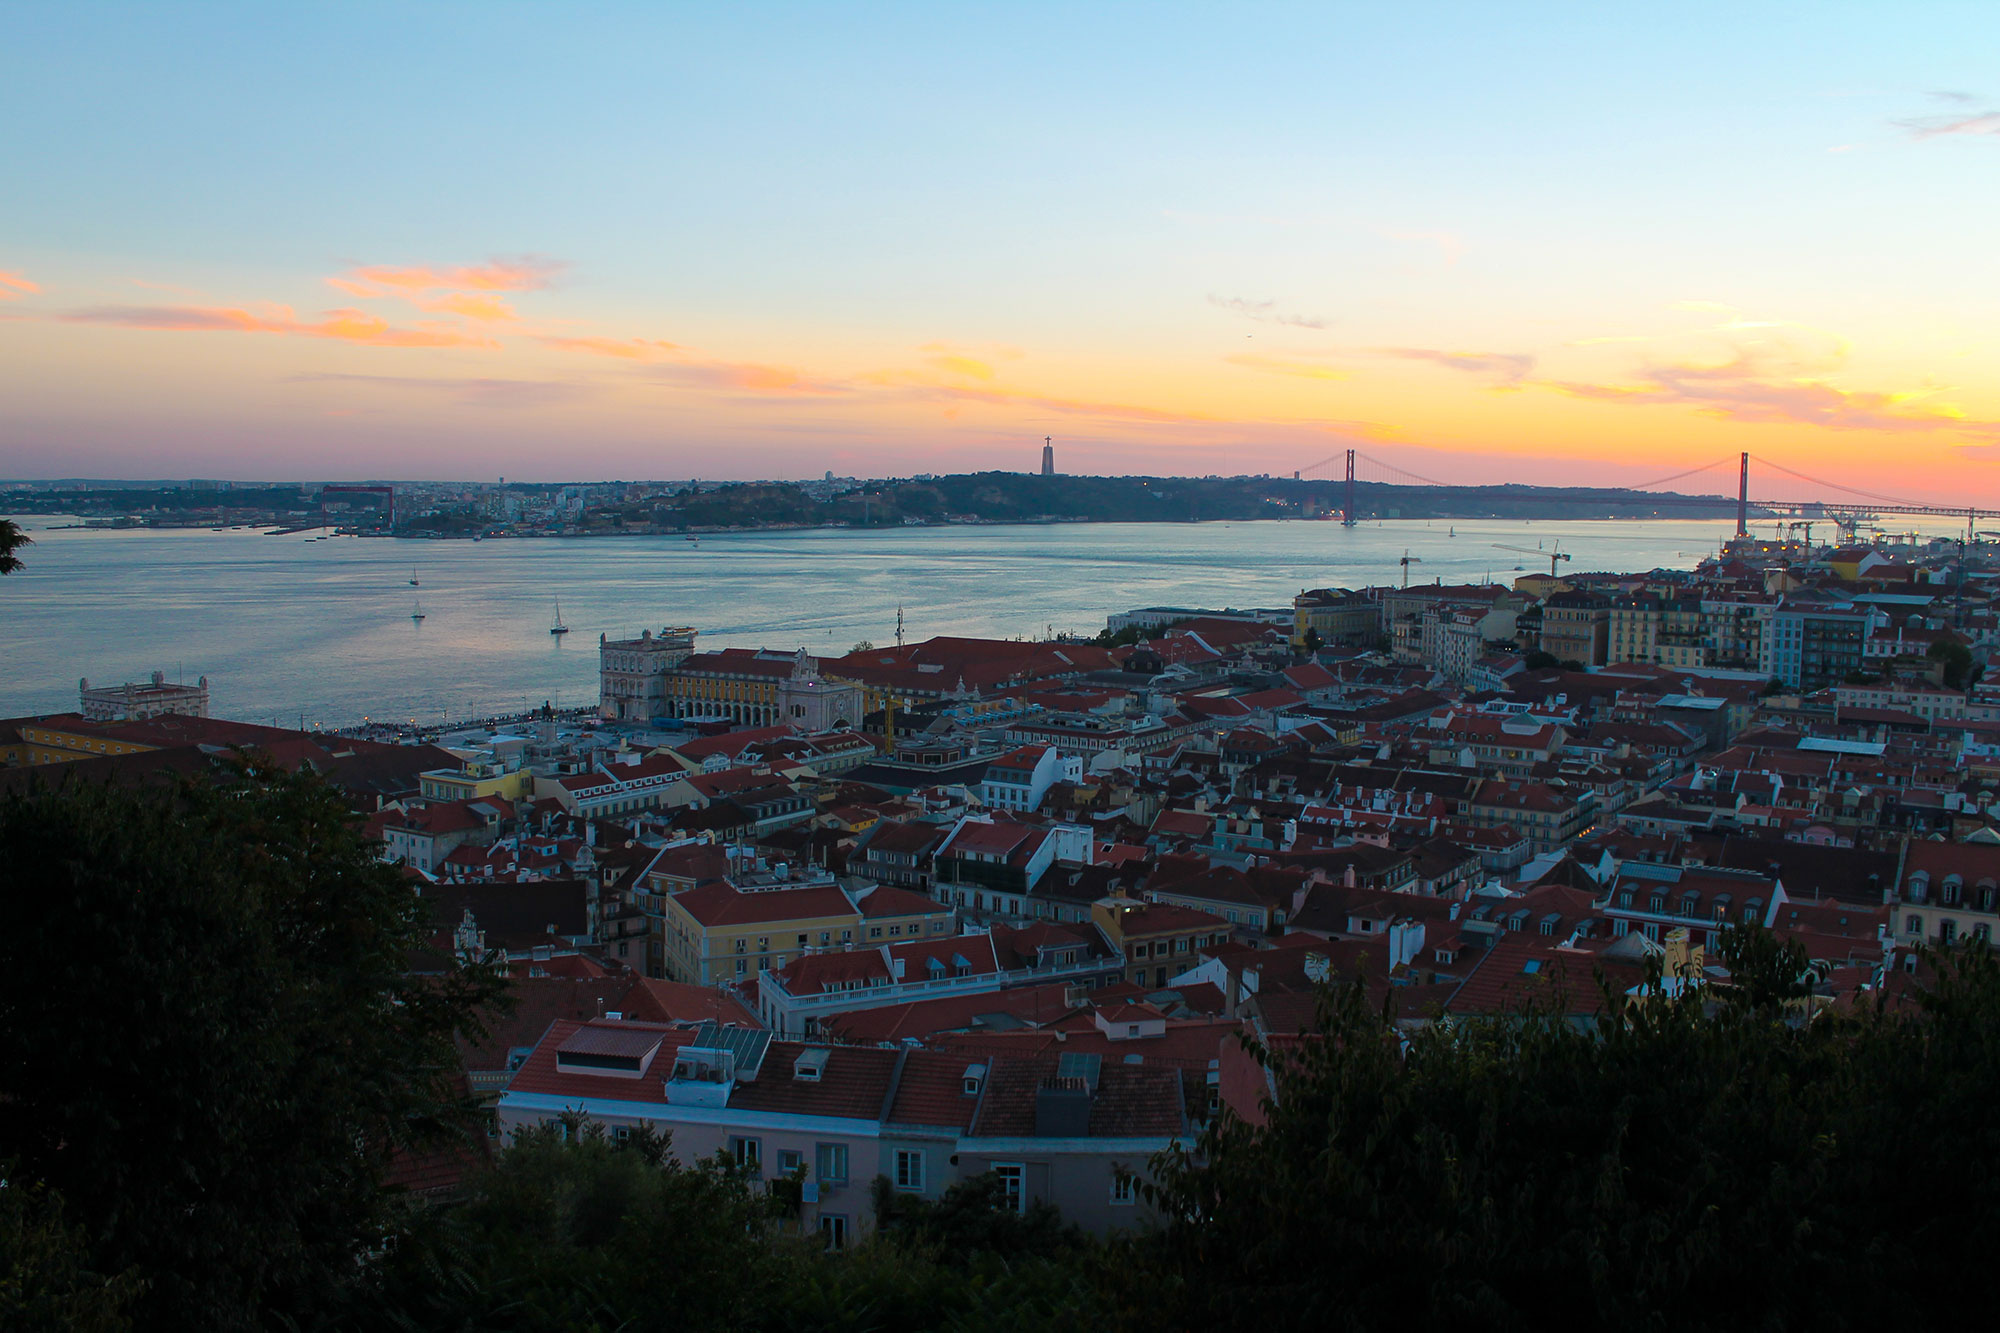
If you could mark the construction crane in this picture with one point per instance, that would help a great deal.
(1553, 555)
(1406, 562)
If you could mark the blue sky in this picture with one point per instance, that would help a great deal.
(1236, 228)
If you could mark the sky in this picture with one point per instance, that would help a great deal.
(1548, 243)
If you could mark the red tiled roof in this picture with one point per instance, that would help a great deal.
(887, 900)
(721, 905)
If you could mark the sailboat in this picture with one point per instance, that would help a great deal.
(417, 612)
(559, 627)
(413, 578)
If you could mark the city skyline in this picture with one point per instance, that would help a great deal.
(1580, 250)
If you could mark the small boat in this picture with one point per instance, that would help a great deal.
(417, 613)
(559, 627)
(413, 578)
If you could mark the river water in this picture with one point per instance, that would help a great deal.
(294, 631)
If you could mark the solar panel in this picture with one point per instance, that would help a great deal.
(1078, 1064)
(746, 1044)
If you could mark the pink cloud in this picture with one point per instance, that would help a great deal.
(626, 349)
(1741, 390)
(1507, 367)
(526, 274)
(13, 286)
(748, 377)
(355, 326)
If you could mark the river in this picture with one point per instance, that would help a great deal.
(294, 631)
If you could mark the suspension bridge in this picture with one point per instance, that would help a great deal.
(1852, 506)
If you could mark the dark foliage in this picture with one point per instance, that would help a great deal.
(12, 539)
(208, 1046)
(1694, 1161)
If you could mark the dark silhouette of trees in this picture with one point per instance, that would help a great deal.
(209, 1045)
(1695, 1158)
(12, 539)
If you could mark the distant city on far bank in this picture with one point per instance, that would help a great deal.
(608, 508)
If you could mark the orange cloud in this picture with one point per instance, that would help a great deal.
(1741, 390)
(628, 349)
(13, 286)
(1274, 366)
(976, 362)
(966, 366)
(1507, 367)
(531, 273)
(748, 377)
(471, 305)
(356, 326)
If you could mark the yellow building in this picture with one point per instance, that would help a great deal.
(1157, 940)
(61, 739)
(1540, 585)
(716, 933)
(1576, 627)
(476, 780)
(1337, 616)
(739, 684)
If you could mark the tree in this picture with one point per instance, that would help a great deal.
(12, 539)
(567, 1230)
(1619, 1173)
(209, 1046)
(1313, 641)
(45, 1278)
(1956, 659)
(863, 647)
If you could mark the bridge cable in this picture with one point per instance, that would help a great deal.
(1836, 486)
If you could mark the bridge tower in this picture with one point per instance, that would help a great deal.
(1743, 498)
(1348, 520)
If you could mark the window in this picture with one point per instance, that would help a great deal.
(1011, 1176)
(749, 1154)
(1947, 931)
(763, 944)
(1121, 1189)
(833, 1227)
(832, 1163)
(1913, 924)
(802, 941)
(742, 966)
(790, 1160)
(910, 1170)
(742, 943)
(874, 932)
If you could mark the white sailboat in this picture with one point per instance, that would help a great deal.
(417, 612)
(559, 627)
(413, 578)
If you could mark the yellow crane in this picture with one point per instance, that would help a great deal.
(1553, 555)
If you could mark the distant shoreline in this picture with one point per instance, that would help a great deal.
(287, 530)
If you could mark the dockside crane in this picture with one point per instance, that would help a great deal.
(1552, 556)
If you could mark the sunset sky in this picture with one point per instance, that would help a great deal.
(1570, 243)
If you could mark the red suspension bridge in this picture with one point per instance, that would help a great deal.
(1852, 506)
